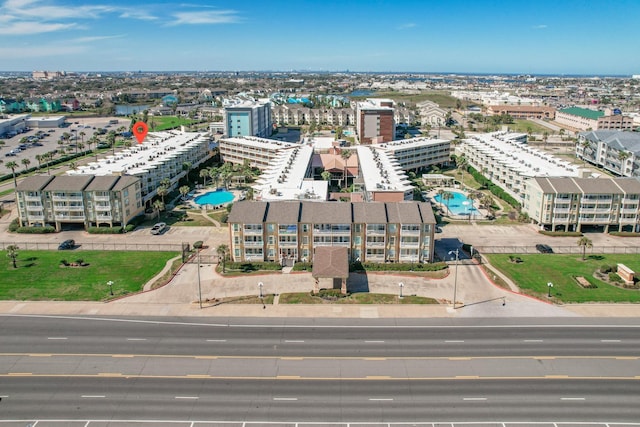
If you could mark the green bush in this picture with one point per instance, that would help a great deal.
(129, 227)
(613, 277)
(393, 266)
(13, 227)
(302, 266)
(104, 230)
(253, 266)
(604, 269)
(560, 233)
(36, 230)
(493, 188)
(198, 244)
(624, 234)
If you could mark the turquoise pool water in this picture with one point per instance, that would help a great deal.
(459, 205)
(214, 198)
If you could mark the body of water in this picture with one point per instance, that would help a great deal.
(458, 205)
(125, 110)
(214, 198)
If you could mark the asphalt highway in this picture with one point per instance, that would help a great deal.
(301, 370)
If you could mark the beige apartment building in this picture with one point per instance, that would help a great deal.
(291, 231)
(82, 199)
(573, 204)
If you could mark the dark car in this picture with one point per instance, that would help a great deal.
(67, 244)
(544, 249)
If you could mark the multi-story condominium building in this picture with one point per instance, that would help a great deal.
(616, 151)
(290, 231)
(508, 162)
(259, 152)
(82, 199)
(382, 177)
(375, 121)
(615, 121)
(248, 118)
(523, 111)
(569, 204)
(579, 118)
(163, 155)
(294, 114)
(431, 113)
(418, 153)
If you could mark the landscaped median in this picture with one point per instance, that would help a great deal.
(78, 275)
(533, 273)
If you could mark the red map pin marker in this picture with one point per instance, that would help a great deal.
(140, 130)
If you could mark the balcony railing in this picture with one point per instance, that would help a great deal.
(101, 198)
(252, 232)
(253, 244)
(375, 244)
(70, 217)
(32, 199)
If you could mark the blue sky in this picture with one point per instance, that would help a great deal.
(484, 36)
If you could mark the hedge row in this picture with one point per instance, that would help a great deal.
(495, 190)
(302, 266)
(253, 266)
(43, 167)
(393, 266)
(561, 233)
(36, 230)
(104, 230)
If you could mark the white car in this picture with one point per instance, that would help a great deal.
(158, 228)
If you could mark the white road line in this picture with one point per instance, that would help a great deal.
(453, 341)
(57, 338)
(533, 340)
(474, 398)
(93, 396)
(375, 342)
(293, 340)
(610, 341)
(285, 398)
(4, 396)
(572, 398)
(216, 340)
(187, 397)
(136, 339)
(373, 399)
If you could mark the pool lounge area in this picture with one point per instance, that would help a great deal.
(215, 198)
(459, 206)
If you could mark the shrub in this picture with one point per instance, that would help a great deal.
(604, 269)
(13, 227)
(253, 266)
(613, 277)
(370, 266)
(104, 230)
(36, 230)
(302, 266)
(198, 244)
(515, 259)
(64, 262)
(560, 233)
(129, 227)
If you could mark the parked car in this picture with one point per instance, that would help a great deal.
(158, 228)
(544, 249)
(67, 244)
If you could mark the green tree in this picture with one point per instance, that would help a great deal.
(39, 158)
(345, 154)
(584, 243)
(12, 165)
(326, 175)
(214, 174)
(157, 206)
(447, 196)
(162, 191)
(623, 156)
(204, 174)
(12, 252)
(223, 252)
(25, 163)
(184, 190)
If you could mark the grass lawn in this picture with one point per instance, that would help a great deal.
(533, 274)
(523, 125)
(333, 297)
(168, 122)
(39, 275)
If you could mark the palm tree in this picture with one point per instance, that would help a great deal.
(471, 197)
(25, 163)
(158, 205)
(584, 243)
(223, 251)
(12, 252)
(326, 175)
(623, 156)
(165, 182)
(13, 165)
(73, 166)
(204, 174)
(39, 158)
(162, 191)
(345, 154)
(545, 137)
(462, 164)
(184, 190)
(441, 193)
(447, 196)
(48, 157)
(80, 146)
(214, 174)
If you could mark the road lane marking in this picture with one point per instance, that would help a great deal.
(474, 398)
(380, 399)
(533, 340)
(57, 338)
(136, 339)
(610, 341)
(40, 355)
(93, 396)
(572, 398)
(216, 340)
(285, 398)
(293, 341)
(17, 374)
(123, 355)
(453, 341)
(374, 341)
(187, 397)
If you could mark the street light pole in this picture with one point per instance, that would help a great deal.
(401, 285)
(455, 278)
(199, 285)
(110, 284)
(549, 285)
(260, 285)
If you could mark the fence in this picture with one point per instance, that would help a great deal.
(559, 250)
(97, 246)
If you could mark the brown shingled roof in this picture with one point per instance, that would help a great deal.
(34, 183)
(247, 212)
(369, 213)
(403, 213)
(331, 262)
(283, 212)
(69, 183)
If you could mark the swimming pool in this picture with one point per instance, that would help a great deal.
(214, 198)
(458, 205)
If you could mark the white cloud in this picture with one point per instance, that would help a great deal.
(206, 17)
(138, 14)
(30, 27)
(407, 26)
(539, 27)
(94, 38)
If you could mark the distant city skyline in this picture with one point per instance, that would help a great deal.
(545, 37)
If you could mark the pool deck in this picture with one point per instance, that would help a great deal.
(478, 214)
(237, 195)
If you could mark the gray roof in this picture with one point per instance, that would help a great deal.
(564, 185)
(69, 183)
(620, 140)
(34, 183)
(426, 211)
(403, 213)
(628, 185)
(326, 212)
(248, 212)
(283, 212)
(589, 185)
(369, 213)
(544, 184)
(102, 183)
(125, 181)
(597, 186)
